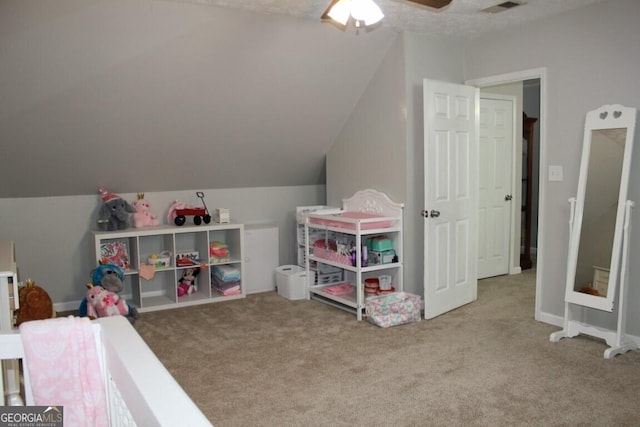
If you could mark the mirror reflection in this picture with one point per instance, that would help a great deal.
(600, 209)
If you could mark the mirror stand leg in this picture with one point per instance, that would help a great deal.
(622, 344)
(564, 333)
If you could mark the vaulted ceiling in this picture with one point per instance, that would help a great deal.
(161, 95)
(461, 18)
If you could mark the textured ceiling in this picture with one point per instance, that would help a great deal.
(462, 18)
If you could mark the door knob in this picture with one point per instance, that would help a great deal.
(435, 214)
(508, 197)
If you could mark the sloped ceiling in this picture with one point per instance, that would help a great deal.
(148, 95)
(139, 95)
(461, 18)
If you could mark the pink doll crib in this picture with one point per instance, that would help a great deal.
(137, 388)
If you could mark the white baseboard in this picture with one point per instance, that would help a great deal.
(551, 319)
(75, 305)
(66, 306)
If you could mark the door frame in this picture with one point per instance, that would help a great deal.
(513, 252)
(541, 74)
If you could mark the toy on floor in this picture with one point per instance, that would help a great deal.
(35, 304)
(115, 213)
(143, 217)
(104, 303)
(187, 283)
(110, 278)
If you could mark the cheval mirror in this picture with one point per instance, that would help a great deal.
(595, 246)
(599, 227)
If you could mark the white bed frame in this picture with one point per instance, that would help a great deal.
(140, 391)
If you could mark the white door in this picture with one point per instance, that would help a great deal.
(451, 196)
(495, 193)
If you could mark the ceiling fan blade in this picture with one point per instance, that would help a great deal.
(436, 4)
(325, 15)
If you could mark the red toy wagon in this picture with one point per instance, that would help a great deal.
(180, 212)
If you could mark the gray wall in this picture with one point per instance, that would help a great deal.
(54, 244)
(590, 55)
(165, 98)
(390, 158)
(370, 150)
(139, 95)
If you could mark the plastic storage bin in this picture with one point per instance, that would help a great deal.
(292, 281)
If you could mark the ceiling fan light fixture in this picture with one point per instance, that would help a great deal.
(341, 11)
(365, 11)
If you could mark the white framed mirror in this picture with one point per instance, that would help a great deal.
(596, 233)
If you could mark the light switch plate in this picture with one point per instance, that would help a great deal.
(555, 173)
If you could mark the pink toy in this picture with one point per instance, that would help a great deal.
(178, 212)
(187, 283)
(177, 204)
(143, 216)
(104, 303)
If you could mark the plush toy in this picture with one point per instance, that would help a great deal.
(187, 283)
(35, 304)
(103, 303)
(115, 213)
(110, 278)
(143, 216)
(175, 205)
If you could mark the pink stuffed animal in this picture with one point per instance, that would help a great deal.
(177, 204)
(104, 303)
(143, 216)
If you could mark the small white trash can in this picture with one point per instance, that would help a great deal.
(292, 281)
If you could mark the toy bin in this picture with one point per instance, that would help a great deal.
(292, 281)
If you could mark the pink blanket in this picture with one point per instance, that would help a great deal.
(334, 221)
(339, 289)
(62, 360)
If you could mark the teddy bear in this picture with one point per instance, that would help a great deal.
(35, 304)
(109, 277)
(143, 216)
(187, 283)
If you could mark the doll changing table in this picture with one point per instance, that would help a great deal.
(367, 214)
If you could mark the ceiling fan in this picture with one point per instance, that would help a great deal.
(435, 4)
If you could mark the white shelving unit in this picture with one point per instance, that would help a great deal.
(301, 214)
(384, 217)
(160, 292)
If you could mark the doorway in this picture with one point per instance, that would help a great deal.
(534, 78)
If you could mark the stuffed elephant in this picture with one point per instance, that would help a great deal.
(115, 213)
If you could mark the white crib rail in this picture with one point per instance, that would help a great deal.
(10, 351)
(140, 390)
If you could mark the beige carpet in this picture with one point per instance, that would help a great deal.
(268, 361)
